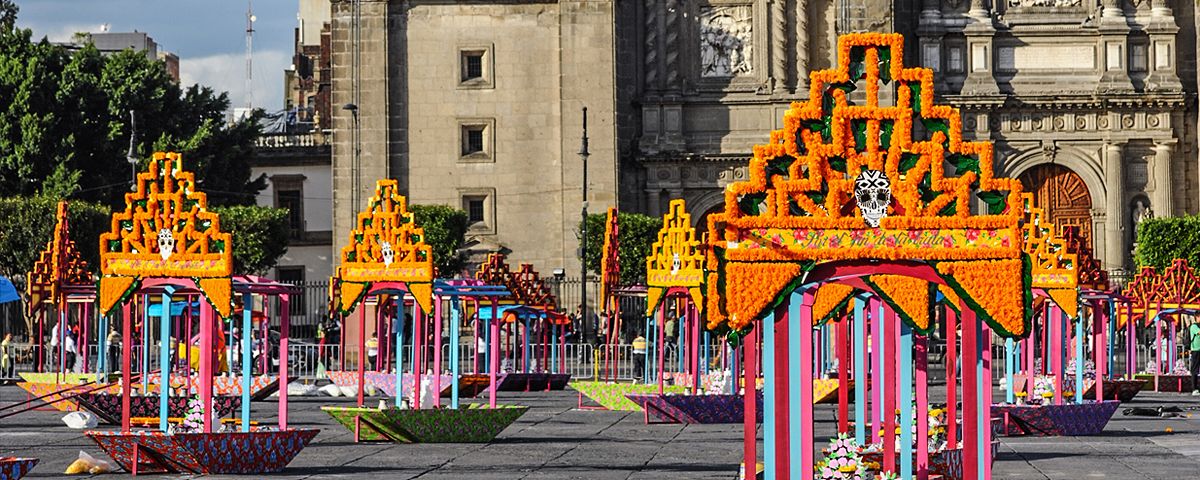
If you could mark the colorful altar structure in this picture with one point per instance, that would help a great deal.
(529, 332)
(1158, 299)
(387, 258)
(1049, 398)
(167, 242)
(847, 197)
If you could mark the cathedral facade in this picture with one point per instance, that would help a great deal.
(1091, 103)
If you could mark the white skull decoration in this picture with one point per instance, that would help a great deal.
(676, 264)
(166, 243)
(389, 255)
(873, 193)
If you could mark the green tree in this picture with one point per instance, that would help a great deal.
(637, 234)
(68, 114)
(260, 236)
(445, 229)
(27, 224)
(1162, 240)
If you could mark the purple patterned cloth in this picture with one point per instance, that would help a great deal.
(696, 408)
(1068, 419)
(204, 453)
(12, 468)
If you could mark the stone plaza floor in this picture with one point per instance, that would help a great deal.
(554, 440)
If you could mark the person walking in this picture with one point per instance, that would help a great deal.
(113, 345)
(639, 357)
(7, 365)
(372, 351)
(1194, 347)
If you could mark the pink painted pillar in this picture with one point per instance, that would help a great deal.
(782, 389)
(126, 364)
(494, 345)
(971, 400)
(419, 345)
(842, 344)
(437, 352)
(1055, 319)
(951, 377)
(806, 386)
(661, 353)
(876, 366)
(749, 400)
(83, 336)
(986, 384)
(285, 326)
(695, 345)
(206, 363)
(1100, 345)
(1130, 343)
(922, 363)
(362, 352)
(1157, 350)
(1030, 359)
(891, 330)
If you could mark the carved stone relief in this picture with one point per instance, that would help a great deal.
(726, 47)
(1044, 3)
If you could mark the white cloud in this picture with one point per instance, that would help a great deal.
(227, 72)
(59, 33)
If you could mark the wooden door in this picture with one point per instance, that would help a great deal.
(1063, 196)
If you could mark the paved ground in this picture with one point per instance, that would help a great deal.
(555, 441)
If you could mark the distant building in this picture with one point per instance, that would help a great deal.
(307, 82)
(112, 42)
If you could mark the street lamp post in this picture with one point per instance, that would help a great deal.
(354, 181)
(583, 154)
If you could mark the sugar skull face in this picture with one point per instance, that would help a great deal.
(873, 193)
(389, 255)
(166, 243)
(675, 264)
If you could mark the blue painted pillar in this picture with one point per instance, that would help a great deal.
(769, 407)
(1080, 360)
(906, 401)
(455, 325)
(164, 360)
(247, 357)
(860, 372)
(398, 349)
(1010, 356)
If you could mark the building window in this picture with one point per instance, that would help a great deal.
(474, 207)
(289, 194)
(1138, 58)
(475, 67)
(475, 140)
(479, 203)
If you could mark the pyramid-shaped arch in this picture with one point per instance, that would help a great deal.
(58, 265)
(676, 260)
(1091, 273)
(386, 245)
(525, 286)
(799, 205)
(610, 258)
(166, 231)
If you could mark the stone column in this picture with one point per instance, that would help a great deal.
(1161, 53)
(1114, 222)
(779, 73)
(654, 202)
(1114, 48)
(801, 45)
(1163, 190)
(931, 9)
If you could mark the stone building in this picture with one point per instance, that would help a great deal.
(1091, 103)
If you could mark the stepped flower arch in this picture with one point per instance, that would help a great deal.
(58, 265)
(797, 209)
(386, 246)
(1055, 266)
(676, 260)
(166, 231)
(1176, 288)
(525, 286)
(610, 261)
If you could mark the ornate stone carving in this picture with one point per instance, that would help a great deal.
(651, 59)
(1044, 3)
(672, 53)
(726, 46)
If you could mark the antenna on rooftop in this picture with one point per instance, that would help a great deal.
(250, 19)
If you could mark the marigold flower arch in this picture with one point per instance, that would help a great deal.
(676, 260)
(166, 231)
(59, 264)
(610, 261)
(1055, 266)
(386, 246)
(797, 208)
(1176, 288)
(525, 286)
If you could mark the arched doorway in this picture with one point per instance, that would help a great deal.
(1063, 196)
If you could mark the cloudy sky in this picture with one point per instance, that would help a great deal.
(209, 36)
